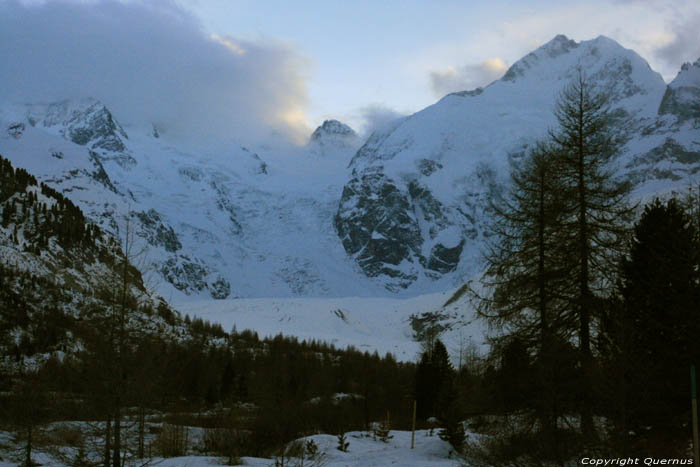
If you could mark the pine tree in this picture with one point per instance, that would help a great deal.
(524, 267)
(597, 213)
(515, 375)
(660, 322)
(343, 443)
(527, 278)
(691, 205)
(424, 387)
(432, 382)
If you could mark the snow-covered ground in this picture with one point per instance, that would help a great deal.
(381, 324)
(363, 450)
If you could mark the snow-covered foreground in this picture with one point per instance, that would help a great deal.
(381, 324)
(363, 450)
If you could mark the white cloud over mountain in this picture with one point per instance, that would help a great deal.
(466, 77)
(152, 61)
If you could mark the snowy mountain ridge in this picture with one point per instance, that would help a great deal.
(414, 210)
(401, 215)
(205, 217)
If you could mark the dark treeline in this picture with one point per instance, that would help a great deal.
(280, 388)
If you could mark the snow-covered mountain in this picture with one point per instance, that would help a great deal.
(413, 210)
(401, 214)
(218, 222)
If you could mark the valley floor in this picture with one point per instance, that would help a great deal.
(369, 324)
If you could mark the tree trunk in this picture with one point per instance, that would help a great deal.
(142, 430)
(28, 447)
(540, 267)
(587, 428)
(108, 439)
(116, 461)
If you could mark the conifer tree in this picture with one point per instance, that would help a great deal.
(658, 331)
(524, 266)
(527, 279)
(433, 381)
(597, 213)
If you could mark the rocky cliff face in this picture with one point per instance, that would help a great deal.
(396, 233)
(682, 97)
(86, 122)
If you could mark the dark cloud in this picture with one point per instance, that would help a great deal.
(150, 62)
(467, 77)
(685, 45)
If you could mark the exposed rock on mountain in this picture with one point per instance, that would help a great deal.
(682, 97)
(414, 206)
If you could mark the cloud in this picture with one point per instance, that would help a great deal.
(684, 44)
(152, 62)
(466, 77)
(376, 116)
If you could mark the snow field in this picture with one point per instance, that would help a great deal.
(368, 324)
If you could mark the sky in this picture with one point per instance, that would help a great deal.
(247, 69)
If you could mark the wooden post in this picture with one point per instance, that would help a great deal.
(694, 405)
(413, 430)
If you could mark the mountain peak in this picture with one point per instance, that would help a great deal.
(620, 71)
(682, 97)
(688, 76)
(85, 121)
(559, 45)
(601, 39)
(556, 47)
(332, 128)
(334, 137)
